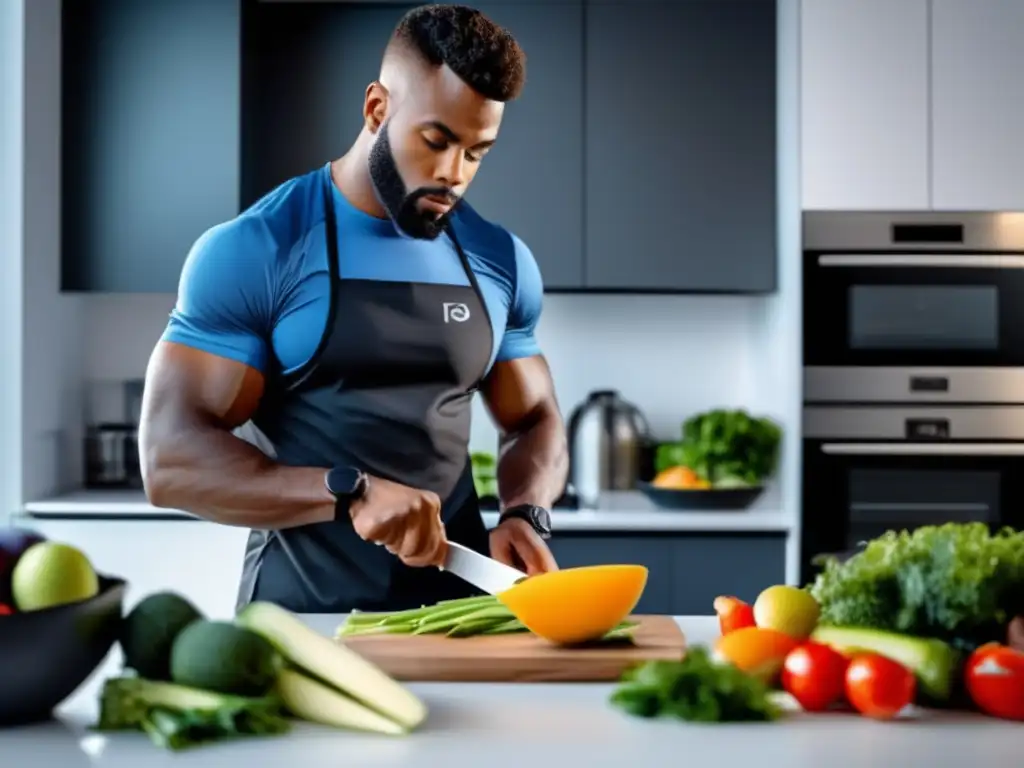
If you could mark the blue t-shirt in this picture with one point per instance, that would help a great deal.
(256, 289)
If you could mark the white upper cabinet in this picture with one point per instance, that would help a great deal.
(864, 104)
(977, 104)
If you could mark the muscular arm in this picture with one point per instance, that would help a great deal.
(205, 378)
(190, 459)
(533, 457)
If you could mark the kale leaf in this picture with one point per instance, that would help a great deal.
(957, 582)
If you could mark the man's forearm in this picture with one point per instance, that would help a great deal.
(534, 463)
(215, 475)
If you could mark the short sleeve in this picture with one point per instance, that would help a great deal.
(225, 303)
(524, 314)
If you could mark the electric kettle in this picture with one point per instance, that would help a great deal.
(607, 438)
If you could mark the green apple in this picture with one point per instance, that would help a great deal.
(50, 574)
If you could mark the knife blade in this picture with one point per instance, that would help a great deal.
(482, 572)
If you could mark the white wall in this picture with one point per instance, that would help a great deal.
(11, 207)
(671, 355)
(52, 353)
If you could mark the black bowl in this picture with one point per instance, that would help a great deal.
(707, 500)
(45, 655)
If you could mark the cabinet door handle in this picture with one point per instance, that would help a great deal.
(959, 261)
(923, 449)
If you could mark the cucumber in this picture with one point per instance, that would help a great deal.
(333, 664)
(933, 662)
(315, 702)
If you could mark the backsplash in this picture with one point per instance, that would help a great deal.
(670, 355)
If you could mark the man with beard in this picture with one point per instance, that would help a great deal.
(345, 321)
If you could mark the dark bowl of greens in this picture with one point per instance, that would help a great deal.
(729, 454)
(702, 500)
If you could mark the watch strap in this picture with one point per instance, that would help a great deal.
(538, 518)
(346, 484)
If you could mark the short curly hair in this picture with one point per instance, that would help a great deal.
(483, 54)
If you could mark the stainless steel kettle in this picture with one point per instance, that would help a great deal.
(607, 436)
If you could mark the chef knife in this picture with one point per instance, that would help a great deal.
(482, 572)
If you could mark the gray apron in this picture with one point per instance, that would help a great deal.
(388, 391)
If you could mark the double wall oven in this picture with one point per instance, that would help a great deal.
(913, 374)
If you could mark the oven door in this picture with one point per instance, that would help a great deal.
(868, 470)
(856, 491)
(913, 310)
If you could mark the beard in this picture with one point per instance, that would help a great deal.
(398, 201)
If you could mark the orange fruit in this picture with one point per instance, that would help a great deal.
(574, 605)
(679, 478)
(758, 651)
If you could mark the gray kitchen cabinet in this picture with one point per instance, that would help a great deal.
(680, 163)
(531, 182)
(309, 65)
(150, 134)
(705, 566)
(686, 571)
(978, 105)
(865, 105)
(305, 69)
(654, 552)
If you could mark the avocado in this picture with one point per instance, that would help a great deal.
(149, 630)
(222, 657)
(333, 664)
(933, 662)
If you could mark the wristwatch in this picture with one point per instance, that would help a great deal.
(538, 518)
(345, 484)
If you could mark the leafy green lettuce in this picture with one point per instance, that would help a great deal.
(956, 582)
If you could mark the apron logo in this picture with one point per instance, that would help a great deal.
(455, 312)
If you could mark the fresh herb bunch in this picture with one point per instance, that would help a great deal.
(956, 582)
(697, 689)
(725, 446)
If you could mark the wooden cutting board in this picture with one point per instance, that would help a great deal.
(520, 657)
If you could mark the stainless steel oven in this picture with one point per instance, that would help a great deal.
(925, 307)
(869, 469)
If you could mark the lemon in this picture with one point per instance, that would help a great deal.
(50, 574)
(787, 609)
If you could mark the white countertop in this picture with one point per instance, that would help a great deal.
(619, 511)
(539, 724)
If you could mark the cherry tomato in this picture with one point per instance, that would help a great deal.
(814, 675)
(6, 610)
(994, 677)
(879, 687)
(733, 614)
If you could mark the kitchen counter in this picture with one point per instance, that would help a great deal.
(618, 511)
(538, 724)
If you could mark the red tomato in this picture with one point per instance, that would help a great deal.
(814, 675)
(733, 614)
(994, 677)
(6, 610)
(879, 687)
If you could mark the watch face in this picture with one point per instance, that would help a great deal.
(343, 481)
(541, 518)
